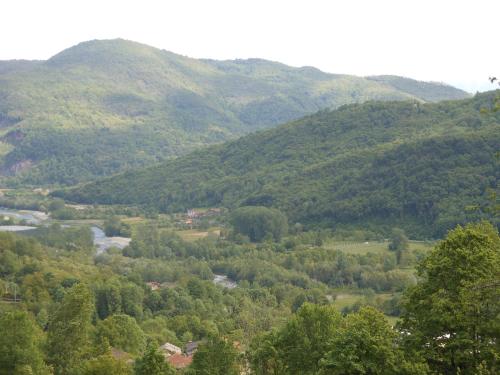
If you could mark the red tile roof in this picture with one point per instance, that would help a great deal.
(179, 360)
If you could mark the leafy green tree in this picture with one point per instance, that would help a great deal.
(109, 299)
(113, 226)
(56, 204)
(259, 223)
(106, 364)
(153, 363)
(123, 332)
(20, 345)
(263, 357)
(132, 297)
(68, 338)
(216, 356)
(398, 243)
(451, 317)
(305, 339)
(196, 288)
(366, 344)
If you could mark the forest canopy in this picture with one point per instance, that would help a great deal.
(417, 166)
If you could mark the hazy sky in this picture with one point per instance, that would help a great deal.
(440, 40)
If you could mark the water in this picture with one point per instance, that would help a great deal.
(15, 228)
(103, 243)
(31, 217)
(224, 281)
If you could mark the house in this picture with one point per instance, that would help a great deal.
(154, 285)
(169, 349)
(191, 347)
(192, 214)
(179, 361)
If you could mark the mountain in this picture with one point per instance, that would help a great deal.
(393, 163)
(105, 106)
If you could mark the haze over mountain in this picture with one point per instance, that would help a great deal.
(106, 106)
(403, 164)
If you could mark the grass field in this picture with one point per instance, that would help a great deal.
(192, 235)
(371, 246)
(346, 299)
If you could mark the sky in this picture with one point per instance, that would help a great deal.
(446, 41)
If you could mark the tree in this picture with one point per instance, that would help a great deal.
(366, 344)
(398, 243)
(56, 205)
(69, 329)
(123, 332)
(113, 226)
(152, 363)
(306, 338)
(109, 299)
(20, 345)
(217, 356)
(259, 223)
(496, 104)
(263, 356)
(105, 364)
(451, 317)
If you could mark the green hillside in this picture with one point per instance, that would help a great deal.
(106, 106)
(397, 163)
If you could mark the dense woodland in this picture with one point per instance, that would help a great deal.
(65, 310)
(358, 240)
(106, 106)
(376, 165)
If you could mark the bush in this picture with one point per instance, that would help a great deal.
(259, 223)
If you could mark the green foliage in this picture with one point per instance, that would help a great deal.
(107, 106)
(399, 243)
(118, 296)
(105, 364)
(452, 315)
(216, 356)
(431, 91)
(122, 332)
(20, 345)
(71, 239)
(152, 363)
(259, 223)
(68, 334)
(56, 205)
(376, 165)
(317, 340)
(366, 344)
(457, 295)
(306, 338)
(113, 226)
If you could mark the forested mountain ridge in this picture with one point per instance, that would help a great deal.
(399, 163)
(106, 106)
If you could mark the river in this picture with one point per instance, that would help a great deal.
(224, 281)
(30, 217)
(101, 241)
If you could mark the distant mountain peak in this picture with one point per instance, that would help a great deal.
(107, 50)
(123, 104)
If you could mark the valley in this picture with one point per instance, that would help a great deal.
(168, 215)
(373, 165)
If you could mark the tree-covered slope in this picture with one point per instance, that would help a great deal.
(392, 163)
(105, 106)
